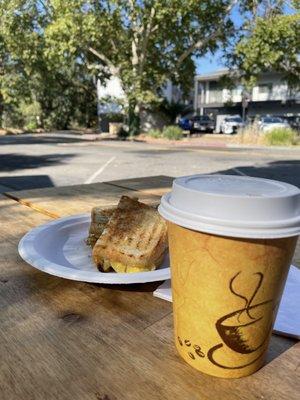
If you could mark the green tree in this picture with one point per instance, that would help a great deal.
(270, 41)
(142, 42)
(63, 88)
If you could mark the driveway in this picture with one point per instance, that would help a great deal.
(32, 161)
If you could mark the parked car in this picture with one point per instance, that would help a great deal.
(184, 123)
(231, 124)
(293, 121)
(201, 123)
(267, 124)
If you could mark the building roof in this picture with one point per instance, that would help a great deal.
(213, 75)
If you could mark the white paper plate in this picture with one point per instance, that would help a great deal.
(59, 249)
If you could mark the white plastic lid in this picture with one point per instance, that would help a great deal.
(236, 206)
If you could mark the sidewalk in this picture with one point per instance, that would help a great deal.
(214, 142)
(204, 142)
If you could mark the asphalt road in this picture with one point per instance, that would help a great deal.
(32, 161)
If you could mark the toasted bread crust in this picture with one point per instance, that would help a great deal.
(99, 220)
(100, 214)
(135, 235)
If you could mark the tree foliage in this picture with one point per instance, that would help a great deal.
(62, 88)
(52, 51)
(143, 43)
(270, 41)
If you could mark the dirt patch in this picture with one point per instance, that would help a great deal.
(196, 140)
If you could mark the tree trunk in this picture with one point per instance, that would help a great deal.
(1, 109)
(134, 118)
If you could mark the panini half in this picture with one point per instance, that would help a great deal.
(134, 239)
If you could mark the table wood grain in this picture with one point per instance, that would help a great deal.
(157, 185)
(67, 200)
(68, 340)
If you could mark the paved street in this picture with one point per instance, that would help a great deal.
(31, 161)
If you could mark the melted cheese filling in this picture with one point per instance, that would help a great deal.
(119, 267)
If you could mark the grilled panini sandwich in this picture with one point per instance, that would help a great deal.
(134, 239)
(99, 219)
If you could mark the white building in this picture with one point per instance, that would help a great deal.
(270, 95)
(111, 97)
(113, 89)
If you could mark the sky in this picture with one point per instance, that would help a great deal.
(211, 63)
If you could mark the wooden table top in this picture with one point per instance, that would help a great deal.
(68, 340)
(68, 200)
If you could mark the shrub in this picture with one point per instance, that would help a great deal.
(12, 117)
(32, 114)
(31, 126)
(123, 133)
(115, 117)
(154, 133)
(281, 137)
(172, 132)
(250, 135)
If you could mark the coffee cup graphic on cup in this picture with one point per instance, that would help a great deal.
(237, 329)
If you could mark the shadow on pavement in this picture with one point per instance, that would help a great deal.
(15, 161)
(283, 170)
(13, 183)
(36, 139)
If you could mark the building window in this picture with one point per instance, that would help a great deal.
(237, 91)
(215, 92)
(266, 88)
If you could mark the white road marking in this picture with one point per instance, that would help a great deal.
(99, 171)
(239, 172)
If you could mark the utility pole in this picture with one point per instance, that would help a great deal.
(245, 102)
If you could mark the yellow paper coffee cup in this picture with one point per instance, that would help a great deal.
(230, 255)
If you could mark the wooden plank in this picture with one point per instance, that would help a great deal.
(273, 381)
(67, 200)
(70, 340)
(157, 185)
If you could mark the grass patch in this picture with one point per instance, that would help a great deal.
(251, 135)
(154, 133)
(172, 132)
(281, 137)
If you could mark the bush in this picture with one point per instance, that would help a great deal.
(281, 137)
(250, 135)
(154, 133)
(172, 132)
(115, 117)
(123, 133)
(12, 117)
(31, 126)
(32, 114)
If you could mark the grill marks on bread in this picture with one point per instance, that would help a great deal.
(134, 236)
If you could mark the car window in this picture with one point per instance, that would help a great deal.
(234, 119)
(271, 120)
(203, 118)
